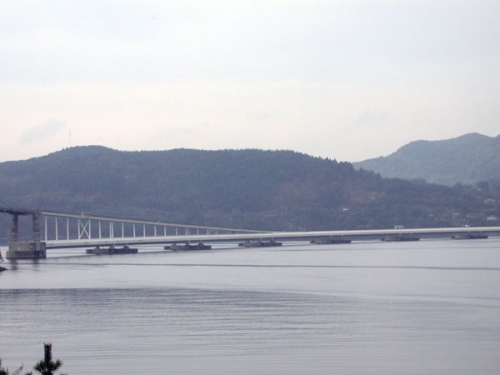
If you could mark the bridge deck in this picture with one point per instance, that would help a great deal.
(269, 235)
(64, 230)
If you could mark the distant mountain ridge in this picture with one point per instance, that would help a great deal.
(251, 189)
(468, 159)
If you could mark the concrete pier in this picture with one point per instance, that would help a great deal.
(26, 250)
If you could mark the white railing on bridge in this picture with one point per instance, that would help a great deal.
(65, 227)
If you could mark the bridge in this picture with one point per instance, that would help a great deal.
(52, 230)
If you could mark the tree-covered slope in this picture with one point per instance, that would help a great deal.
(468, 159)
(254, 189)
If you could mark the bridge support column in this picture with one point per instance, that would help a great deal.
(26, 249)
(14, 229)
(36, 227)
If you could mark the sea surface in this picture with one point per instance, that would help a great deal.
(365, 308)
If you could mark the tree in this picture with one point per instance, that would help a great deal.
(46, 366)
(3, 371)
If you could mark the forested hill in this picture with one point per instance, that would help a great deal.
(469, 159)
(275, 190)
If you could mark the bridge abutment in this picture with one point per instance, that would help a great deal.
(27, 250)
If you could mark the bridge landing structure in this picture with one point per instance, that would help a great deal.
(63, 230)
(35, 249)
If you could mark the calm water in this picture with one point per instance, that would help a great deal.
(428, 307)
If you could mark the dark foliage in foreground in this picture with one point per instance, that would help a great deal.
(2, 370)
(45, 366)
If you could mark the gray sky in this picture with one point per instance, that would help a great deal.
(342, 79)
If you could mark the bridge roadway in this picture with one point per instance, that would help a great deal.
(350, 234)
(64, 230)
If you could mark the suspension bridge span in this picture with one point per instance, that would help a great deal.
(52, 230)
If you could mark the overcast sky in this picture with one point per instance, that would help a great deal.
(342, 79)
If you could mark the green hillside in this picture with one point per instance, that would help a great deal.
(254, 189)
(469, 159)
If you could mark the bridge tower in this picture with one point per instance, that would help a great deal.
(35, 249)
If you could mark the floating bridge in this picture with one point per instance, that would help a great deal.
(62, 230)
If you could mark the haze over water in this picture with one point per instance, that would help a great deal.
(427, 307)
